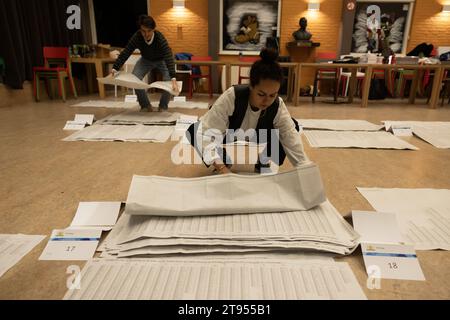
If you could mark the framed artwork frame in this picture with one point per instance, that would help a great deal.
(381, 23)
(245, 25)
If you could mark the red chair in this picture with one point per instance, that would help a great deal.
(198, 76)
(57, 66)
(244, 72)
(326, 74)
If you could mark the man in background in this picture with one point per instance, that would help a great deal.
(156, 54)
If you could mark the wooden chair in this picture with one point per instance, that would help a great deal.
(57, 66)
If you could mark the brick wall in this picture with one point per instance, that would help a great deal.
(186, 29)
(324, 24)
(430, 24)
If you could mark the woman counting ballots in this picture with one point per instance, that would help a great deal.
(258, 111)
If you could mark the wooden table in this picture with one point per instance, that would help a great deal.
(368, 75)
(292, 67)
(99, 63)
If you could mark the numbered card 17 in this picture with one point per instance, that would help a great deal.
(71, 244)
(391, 261)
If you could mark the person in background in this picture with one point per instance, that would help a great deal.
(156, 54)
(254, 106)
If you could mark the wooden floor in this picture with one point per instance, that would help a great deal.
(43, 179)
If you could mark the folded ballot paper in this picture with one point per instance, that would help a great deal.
(299, 189)
(129, 80)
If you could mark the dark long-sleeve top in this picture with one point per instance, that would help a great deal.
(158, 50)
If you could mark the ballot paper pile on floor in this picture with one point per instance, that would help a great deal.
(219, 277)
(229, 213)
(135, 105)
(423, 214)
(338, 125)
(132, 126)
(436, 133)
(136, 117)
(356, 139)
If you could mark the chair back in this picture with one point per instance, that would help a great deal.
(56, 56)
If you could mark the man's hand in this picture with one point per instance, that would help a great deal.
(114, 73)
(175, 85)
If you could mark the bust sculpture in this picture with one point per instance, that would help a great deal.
(302, 33)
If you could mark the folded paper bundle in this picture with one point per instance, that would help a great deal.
(129, 80)
(299, 189)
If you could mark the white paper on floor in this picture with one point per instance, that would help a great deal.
(299, 189)
(107, 104)
(339, 125)
(129, 133)
(355, 139)
(218, 278)
(138, 117)
(96, 215)
(14, 247)
(135, 105)
(436, 133)
(423, 214)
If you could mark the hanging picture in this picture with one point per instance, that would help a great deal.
(381, 25)
(246, 25)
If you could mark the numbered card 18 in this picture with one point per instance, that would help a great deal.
(391, 261)
(71, 244)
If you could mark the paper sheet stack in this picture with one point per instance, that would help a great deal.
(146, 118)
(229, 213)
(218, 278)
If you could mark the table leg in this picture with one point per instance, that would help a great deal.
(99, 72)
(353, 82)
(289, 85)
(413, 91)
(228, 76)
(437, 81)
(366, 89)
(297, 84)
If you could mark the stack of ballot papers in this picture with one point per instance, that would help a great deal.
(229, 213)
(106, 104)
(356, 139)
(146, 118)
(218, 278)
(80, 121)
(133, 133)
(319, 229)
(436, 133)
(129, 80)
(338, 125)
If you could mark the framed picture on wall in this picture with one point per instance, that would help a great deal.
(246, 24)
(381, 25)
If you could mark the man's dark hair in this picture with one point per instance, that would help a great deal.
(146, 21)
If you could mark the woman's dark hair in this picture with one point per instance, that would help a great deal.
(266, 68)
(146, 21)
